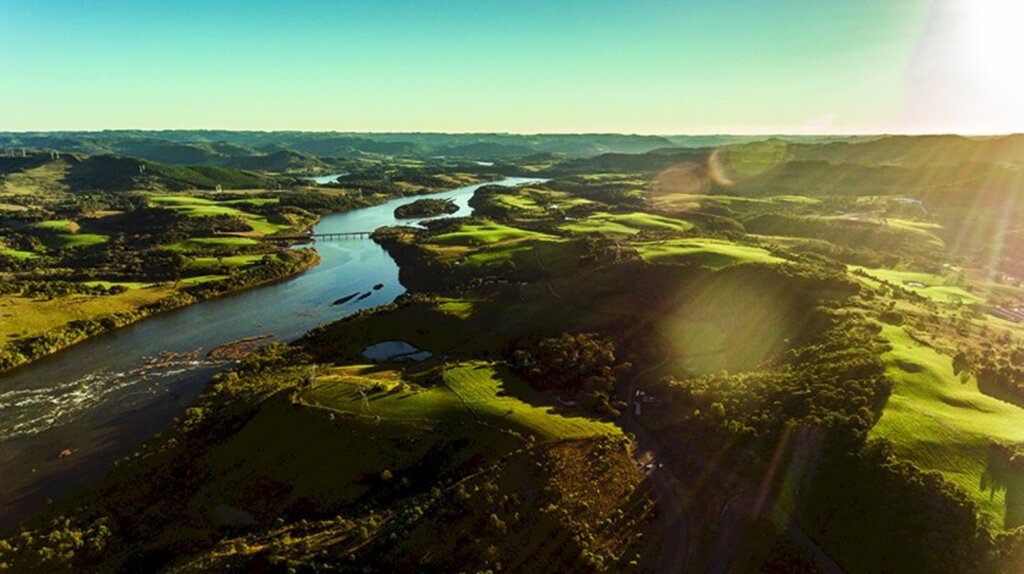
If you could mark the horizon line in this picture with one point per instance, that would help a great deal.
(536, 133)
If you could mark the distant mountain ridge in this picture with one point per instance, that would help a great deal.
(257, 150)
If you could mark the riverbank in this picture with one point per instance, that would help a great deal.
(22, 352)
(136, 305)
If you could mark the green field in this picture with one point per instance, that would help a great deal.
(477, 390)
(228, 261)
(942, 424)
(18, 254)
(707, 253)
(936, 287)
(203, 207)
(497, 396)
(626, 223)
(23, 316)
(71, 240)
(200, 279)
(61, 225)
(198, 243)
(471, 234)
(126, 284)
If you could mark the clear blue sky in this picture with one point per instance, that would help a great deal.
(651, 66)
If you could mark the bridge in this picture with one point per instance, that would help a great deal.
(320, 236)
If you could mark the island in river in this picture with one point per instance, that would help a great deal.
(427, 207)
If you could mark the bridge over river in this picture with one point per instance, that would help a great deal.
(326, 236)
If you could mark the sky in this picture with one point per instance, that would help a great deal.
(526, 66)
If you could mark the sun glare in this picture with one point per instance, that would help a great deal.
(995, 36)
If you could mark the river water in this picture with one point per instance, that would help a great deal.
(65, 419)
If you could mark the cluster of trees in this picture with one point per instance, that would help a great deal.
(999, 370)
(584, 363)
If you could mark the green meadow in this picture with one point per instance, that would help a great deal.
(204, 207)
(471, 234)
(707, 253)
(940, 288)
(626, 223)
(200, 243)
(943, 424)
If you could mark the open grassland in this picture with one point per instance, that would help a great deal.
(72, 240)
(707, 253)
(199, 243)
(235, 261)
(65, 233)
(200, 279)
(922, 231)
(18, 254)
(682, 200)
(47, 179)
(554, 255)
(486, 232)
(495, 395)
(943, 424)
(23, 316)
(471, 391)
(942, 289)
(626, 223)
(204, 207)
(60, 225)
(537, 200)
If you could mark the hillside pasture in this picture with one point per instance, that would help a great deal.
(939, 288)
(193, 206)
(703, 252)
(626, 223)
(205, 243)
(943, 424)
(483, 233)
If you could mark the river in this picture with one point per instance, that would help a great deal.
(64, 419)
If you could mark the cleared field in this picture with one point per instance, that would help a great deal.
(62, 225)
(936, 287)
(626, 223)
(707, 253)
(496, 395)
(229, 261)
(203, 207)
(388, 396)
(22, 316)
(199, 279)
(471, 391)
(43, 180)
(18, 254)
(942, 424)
(557, 256)
(397, 428)
(460, 308)
(125, 284)
(197, 243)
(484, 233)
(534, 200)
(72, 240)
(674, 201)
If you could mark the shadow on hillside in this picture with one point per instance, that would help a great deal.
(1004, 472)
